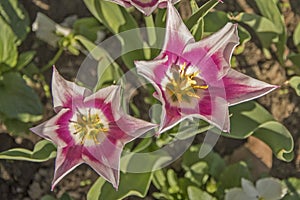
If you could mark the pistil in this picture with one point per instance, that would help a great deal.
(182, 85)
(88, 126)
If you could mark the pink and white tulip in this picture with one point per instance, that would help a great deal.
(194, 79)
(88, 128)
(145, 6)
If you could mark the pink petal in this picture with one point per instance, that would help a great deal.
(164, 3)
(212, 54)
(177, 34)
(127, 128)
(124, 3)
(65, 92)
(240, 88)
(154, 71)
(56, 129)
(170, 117)
(67, 159)
(145, 8)
(105, 160)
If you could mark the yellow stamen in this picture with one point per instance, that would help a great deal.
(183, 86)
(88, 126)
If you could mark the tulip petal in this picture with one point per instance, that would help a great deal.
(56, 129)
(104, 158)
(67, 159)
(213, 54)
(131, 128)
(240, 88)
(270, 188)
(145, 6)
(177, 34)
(237, 194)
(249, 188)
(65, 93)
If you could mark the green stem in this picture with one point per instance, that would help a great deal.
(53, 60)
(150, 26)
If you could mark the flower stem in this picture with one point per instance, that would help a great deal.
(53, 60)
(150, 26)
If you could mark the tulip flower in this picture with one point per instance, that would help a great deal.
(265, 189)
(88, 128)
(145, 6)
(194, 79)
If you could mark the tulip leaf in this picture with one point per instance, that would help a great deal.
(295, 83)
(118, 20)
(88, 27)
(130, 184)
(296, 36)
(195, 193)
(200, 13)
(239, 170)
(215, 163)
(108, 71)
(16, 127)
(264, 28)
(43, 151)
(13, 13)
(8, 48)
(24, 59)
(250, 118)
(246, 117)
(295, 58)
(293, 186)
(276, 136)
(12, 89)
(214, 21)
(270, 10)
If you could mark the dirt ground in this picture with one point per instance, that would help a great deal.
(25, 180)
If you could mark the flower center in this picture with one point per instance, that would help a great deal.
(184, 85)
(89, 126)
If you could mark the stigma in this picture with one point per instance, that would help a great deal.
(88, 126)
(183, 84)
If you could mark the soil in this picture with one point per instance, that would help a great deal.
(26, 180)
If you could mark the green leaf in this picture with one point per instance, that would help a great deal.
(117, 20)
(245, 37)
(270, 10)
(215, 163)
(13, 13)
(197, 30)
(232, 175)
(43, 151)
(114, 17)
(87, 27)
(172, 180)
(24, 59)
(130, 184)
(195, 193)
(296, 36)
(8, 48)
(252, 119)
(293, 186)
(159, 180)
(108, 70)
(246, 117)
(16, 127)
(13, 89)
(295, 84)
(264, 28)
(198, 172)
(200, 13)
(278, 138)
